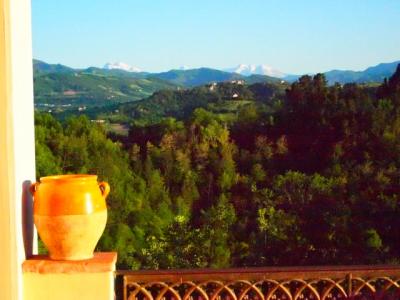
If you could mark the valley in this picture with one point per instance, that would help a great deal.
(240, 174)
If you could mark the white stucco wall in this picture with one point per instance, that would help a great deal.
(17, 152)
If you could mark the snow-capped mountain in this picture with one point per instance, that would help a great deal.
(247, 70)
(121, 66)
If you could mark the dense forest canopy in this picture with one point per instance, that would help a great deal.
(303, 177)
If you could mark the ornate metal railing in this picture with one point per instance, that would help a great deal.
(289, 283)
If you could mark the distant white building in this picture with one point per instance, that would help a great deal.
(238, 82)
(212, 86)
(98, 121)
(235, 95)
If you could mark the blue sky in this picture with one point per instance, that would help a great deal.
(293, 36)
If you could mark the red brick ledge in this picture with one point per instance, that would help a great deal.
(101, 262)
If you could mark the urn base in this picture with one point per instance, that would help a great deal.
(71, 237)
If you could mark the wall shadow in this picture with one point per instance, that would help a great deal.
(28, 227)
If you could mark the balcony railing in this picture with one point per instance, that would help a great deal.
(289, 283)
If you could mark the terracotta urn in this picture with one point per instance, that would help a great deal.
(70, 214)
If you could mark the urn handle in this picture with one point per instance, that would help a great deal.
(33, 188)
(104, 188)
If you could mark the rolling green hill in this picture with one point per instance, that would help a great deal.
(255, 78)
(196, 77)
(201, 76)
(82, 88)
(115, 72)
(40, 67)
(221, 98)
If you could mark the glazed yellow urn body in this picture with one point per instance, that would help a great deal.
(70, 214)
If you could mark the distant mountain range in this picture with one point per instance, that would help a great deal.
(59, 87)
(119, 82)
(193, 77)
(200, 76)
(372, 74)
(242, 69)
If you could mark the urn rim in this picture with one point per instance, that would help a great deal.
(69, 177)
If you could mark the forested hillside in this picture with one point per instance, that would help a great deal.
(302, 177)
(222, 98)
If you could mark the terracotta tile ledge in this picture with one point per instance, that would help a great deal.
(101, 262)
